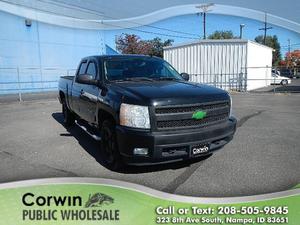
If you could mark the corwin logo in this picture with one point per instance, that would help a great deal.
(98, 199)
(89, 213)
(199, 115)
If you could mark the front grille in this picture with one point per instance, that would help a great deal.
(181, 109)
(190, 122)
(180, 117)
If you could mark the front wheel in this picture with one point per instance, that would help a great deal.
(109, 146)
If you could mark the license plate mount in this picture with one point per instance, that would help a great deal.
(200, 149)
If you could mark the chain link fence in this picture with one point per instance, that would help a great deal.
(19, 80)
(254, 80)
(233, 82)
(30, 79)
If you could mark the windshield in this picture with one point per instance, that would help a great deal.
(139, 67)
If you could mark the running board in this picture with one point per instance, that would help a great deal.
(94, 136)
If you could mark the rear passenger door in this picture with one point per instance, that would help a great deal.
(89, 94)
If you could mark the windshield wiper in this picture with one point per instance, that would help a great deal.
(138, 79)
(167, 78)
(134, 79)
(145, 79)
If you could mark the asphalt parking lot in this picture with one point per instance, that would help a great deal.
(263, 157)
(293, 87)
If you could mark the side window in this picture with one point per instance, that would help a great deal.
(91, 70)
(82, 68)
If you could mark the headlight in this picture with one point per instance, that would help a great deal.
(134, 116)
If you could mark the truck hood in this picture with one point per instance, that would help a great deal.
(168, 92)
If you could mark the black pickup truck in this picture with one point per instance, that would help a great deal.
(144, 111)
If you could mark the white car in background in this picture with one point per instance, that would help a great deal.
(277, 79)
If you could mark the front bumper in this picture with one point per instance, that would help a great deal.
(170, 146)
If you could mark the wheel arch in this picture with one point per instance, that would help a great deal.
(106, 115)
(61, 96)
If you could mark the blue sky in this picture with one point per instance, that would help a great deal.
(193, 24)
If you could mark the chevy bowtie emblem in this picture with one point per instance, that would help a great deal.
(199, 115)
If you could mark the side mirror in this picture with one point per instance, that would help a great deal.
(87, 79)
(185, 76)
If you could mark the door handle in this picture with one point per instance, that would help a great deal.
(83, 95)
(88, 97)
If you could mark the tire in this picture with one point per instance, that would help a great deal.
(69, 118)
(109, 146)
(284, 82)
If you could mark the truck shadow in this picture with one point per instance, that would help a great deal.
(93, 148)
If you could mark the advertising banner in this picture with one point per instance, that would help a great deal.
(102, 201)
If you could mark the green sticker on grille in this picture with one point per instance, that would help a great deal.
(199, 115)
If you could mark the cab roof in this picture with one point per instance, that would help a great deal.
(119, 56)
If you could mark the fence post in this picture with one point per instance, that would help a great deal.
(237, 83)
(215, 80)
(19, 87)
(274, 85)
(245, 82)
(221, 83)
(42, 82)
(240, 84)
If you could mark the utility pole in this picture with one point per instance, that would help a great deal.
(205, 9)
(265, 28)
(204, 25)
(289, 52)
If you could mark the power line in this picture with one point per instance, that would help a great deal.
(159, 28)
(123, 27)
(150, 32)
(110, 17)
(42, 10)
(291, 49)
(283, 46)
(83, 9)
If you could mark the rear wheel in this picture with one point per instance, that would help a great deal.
(69, 118)
(284, 82)
(109, 146)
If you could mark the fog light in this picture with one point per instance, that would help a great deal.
(140, 151)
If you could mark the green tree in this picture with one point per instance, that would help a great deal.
(272, 42)
(223, 34)
(132, 44)
(157, 46)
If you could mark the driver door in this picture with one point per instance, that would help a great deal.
(89, 94)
